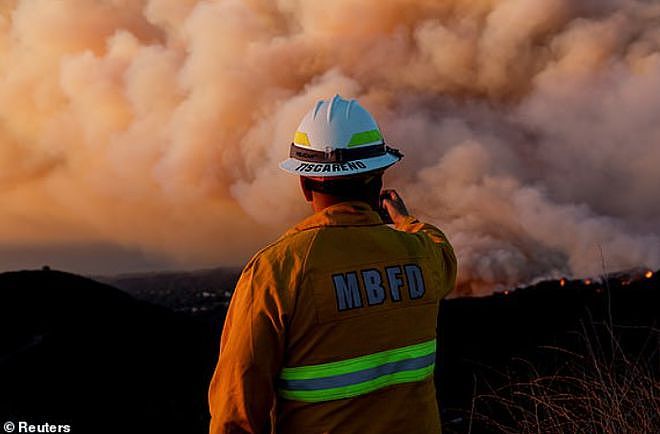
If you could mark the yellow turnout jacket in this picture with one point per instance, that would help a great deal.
(332, 329)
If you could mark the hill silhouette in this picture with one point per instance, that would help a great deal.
(73, 350)
(76, 351)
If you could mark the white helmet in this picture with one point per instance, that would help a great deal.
(338, 137)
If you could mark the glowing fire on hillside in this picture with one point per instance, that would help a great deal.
(598, 286)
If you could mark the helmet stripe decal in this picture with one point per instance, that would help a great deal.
(301, 138)
(364, 138)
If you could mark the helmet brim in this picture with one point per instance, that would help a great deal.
(306, 168)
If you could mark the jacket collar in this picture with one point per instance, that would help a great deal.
(340, 214)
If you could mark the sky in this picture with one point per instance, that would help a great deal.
(145, 134)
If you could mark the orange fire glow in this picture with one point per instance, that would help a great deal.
(648, 274)
(562, 282)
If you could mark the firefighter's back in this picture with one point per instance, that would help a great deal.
(362, 333)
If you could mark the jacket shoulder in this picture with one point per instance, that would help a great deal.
(290, 243)
(288, 253)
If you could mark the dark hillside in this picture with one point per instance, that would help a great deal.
(491, 341)
(76, 351)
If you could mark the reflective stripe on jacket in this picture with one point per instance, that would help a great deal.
(332, 329)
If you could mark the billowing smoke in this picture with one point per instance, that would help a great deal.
(530, 127)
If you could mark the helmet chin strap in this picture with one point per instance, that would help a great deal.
(330, 155)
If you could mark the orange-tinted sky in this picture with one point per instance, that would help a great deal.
(146, 133)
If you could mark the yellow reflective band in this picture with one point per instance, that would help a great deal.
(359, 363)
(359, 375)
(365, 138)
(301, 138)
(358, 389)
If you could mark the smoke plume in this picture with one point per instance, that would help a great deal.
(529, 127)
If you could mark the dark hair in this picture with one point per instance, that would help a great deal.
(358, 187)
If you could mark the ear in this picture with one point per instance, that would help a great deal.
(305, 189)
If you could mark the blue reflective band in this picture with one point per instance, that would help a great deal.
(359, 376)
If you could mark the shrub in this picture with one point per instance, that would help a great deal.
(599, 387)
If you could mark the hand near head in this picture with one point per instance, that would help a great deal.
(394, 205)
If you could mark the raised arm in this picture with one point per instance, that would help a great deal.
(403, 221)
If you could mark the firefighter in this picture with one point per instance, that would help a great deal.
(332, 328)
